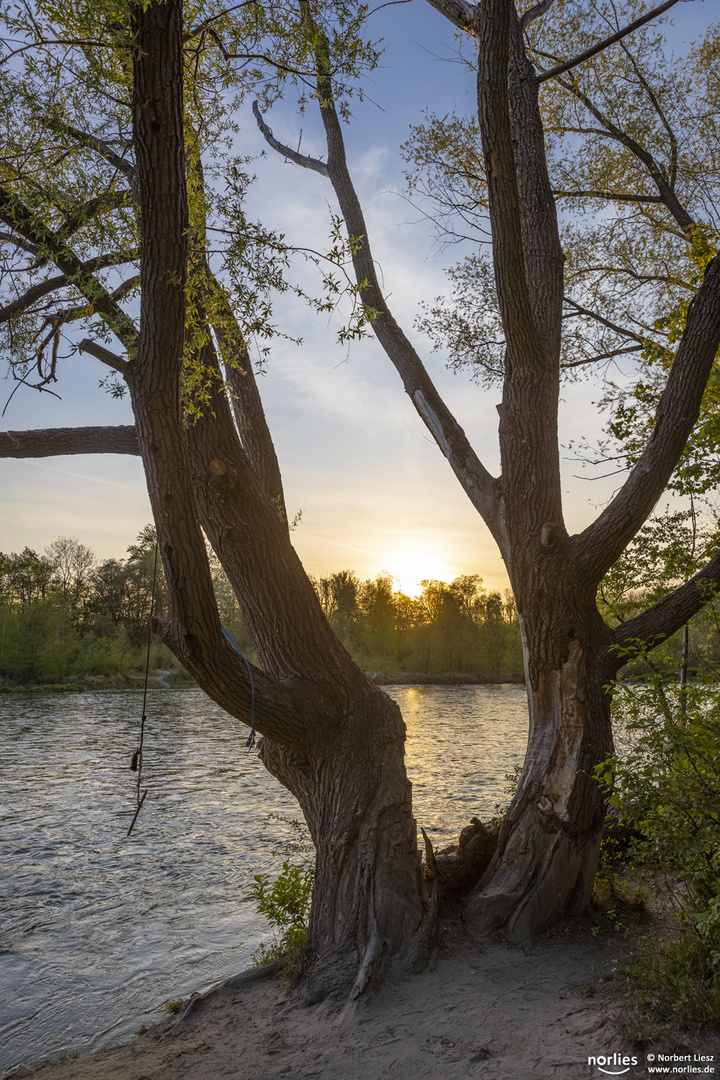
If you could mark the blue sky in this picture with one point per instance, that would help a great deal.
(374, 490)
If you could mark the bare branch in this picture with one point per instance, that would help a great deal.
(104, 355)
(602, 356)
(612, 196)
(198, 29)
(55, 442)
(459, 12)
(476, 481)
(292, 155)
(535, 12)
(567, 65)
(623, 331)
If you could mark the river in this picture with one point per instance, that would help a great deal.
(98, 930)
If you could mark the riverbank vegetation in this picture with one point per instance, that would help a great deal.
(662, 789)
(66, 617)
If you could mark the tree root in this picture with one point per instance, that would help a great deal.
(458, 869)
(236, 982)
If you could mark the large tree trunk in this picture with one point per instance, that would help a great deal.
(549, 842)
(356, 799)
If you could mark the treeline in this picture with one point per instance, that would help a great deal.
(456, 628)
(66, 617)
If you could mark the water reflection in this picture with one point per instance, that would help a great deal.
(98, 930)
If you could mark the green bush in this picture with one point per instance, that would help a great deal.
(285, 902)
(667, 786)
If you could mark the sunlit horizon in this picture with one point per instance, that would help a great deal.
(409, 568)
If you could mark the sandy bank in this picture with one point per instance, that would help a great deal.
(492, 1012)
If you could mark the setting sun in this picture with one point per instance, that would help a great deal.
(409, 568)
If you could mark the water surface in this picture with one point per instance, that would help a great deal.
(98, 930)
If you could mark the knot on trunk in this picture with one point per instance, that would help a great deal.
(218, 467)
(550, 534)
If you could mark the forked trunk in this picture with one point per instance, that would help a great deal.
(549, 842)
(356, 798)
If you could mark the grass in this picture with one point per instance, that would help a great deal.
(670, 983)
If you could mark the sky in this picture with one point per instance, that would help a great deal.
(373, 490)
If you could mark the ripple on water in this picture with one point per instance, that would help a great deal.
(99, 930)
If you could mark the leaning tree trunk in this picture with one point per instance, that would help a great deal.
(348, 774)
(332, 738)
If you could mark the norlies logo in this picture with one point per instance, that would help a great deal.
(619, 1063)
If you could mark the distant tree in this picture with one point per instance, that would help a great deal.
(499, 625)
(72, 564)
(26, 577)
(39, 642)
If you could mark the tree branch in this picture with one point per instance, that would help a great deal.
(55, 442)
(18, 242)
(193, 628)
(567, 65)
(253, 430)
(19, 218)
(92, 142)
(611, 196)
(104, 355)
(459, 12)
(450, 437)
(300, 159)
(623, 331)
(75, 219)
(657, 173)
(663, 619)
(602, 542)
(44, 288)
(535, 12)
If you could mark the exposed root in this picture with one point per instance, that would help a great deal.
(459, 870)
(195, 1002)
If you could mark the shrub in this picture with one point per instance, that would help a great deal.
(667, 787)
(285, 902)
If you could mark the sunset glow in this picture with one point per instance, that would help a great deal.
(409, 568)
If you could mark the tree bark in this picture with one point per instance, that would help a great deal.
(339, 745)
(549, 841)
(53, 442)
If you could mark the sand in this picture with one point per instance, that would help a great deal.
(491, 1011)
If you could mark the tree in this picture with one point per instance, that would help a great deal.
(329, 735)
(547, 853)
(72, 564)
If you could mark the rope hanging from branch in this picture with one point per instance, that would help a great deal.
(251, 737)
(137, 758)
